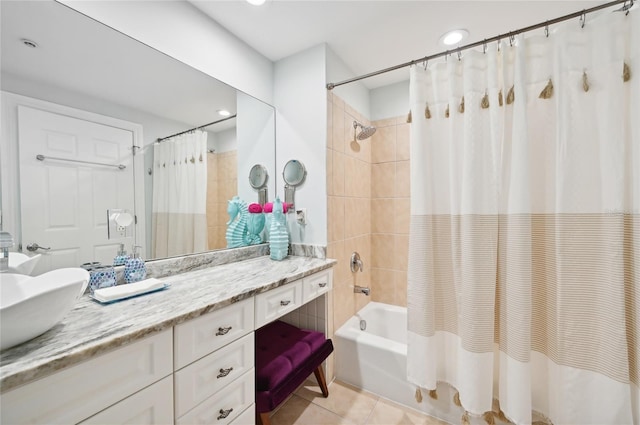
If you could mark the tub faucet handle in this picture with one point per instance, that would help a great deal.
(356, 262)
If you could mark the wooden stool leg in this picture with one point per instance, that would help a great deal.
(321, 380)
(264, 418)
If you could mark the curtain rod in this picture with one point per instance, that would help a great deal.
(196, 128)
(582, 14)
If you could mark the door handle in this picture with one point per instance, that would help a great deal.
(34, 247)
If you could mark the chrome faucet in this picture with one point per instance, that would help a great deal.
(6, 242)
(361, 290)
(356, 262)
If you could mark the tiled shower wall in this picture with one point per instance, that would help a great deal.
(368, 208)
(349, 207)
(390, 210)
(222, 185)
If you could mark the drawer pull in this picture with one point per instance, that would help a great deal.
(224, 413)
(283, 303)
(223, 331)
(224, 372)
(322, 284)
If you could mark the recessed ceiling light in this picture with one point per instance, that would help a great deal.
(256, 2)
(454, 37)
(224, 112)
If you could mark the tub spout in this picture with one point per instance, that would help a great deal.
(361, 290)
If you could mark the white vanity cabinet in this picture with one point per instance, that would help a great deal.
(199, 372)
(76, 393)
(216, 385)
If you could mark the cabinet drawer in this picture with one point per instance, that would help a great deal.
(316, 285)
(276, 303)
(248, 417)
(203, 378)
(153, 405)
(199, 337)
(78, 392)
(224, 406)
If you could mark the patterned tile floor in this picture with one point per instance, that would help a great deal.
(345, 405)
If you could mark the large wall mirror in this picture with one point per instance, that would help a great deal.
(83, 107)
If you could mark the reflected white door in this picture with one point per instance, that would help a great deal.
(64, 204)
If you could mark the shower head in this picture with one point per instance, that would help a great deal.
(365, 131)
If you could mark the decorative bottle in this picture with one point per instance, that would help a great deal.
(278, 235)
(134, 268)
(121, 257)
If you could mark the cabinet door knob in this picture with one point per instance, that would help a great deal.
(322, 284)
(224, 372)
(286, 302)
(224, 413)
(223, 331)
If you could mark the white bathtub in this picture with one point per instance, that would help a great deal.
(376, 360)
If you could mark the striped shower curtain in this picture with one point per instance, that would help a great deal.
(524, 265)
(179, 222)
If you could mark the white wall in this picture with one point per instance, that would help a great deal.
(301, 133)
(355, 94)
(255, 127)
(223, 141)
(180, 30)
(390, 101)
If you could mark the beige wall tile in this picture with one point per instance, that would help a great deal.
(383, 215)
(330, 124)
(383, 180)
(402, 119)
(403, 179)
(337, 130)
(401, 288)
(384, 122)
(382, 246)
(402, 215)
(343, 304)
(329, 172)
(357, 215)
(402, 142)
(336, 218)
(341, 272)
(383, 143)
(338, 102)
(339, 173)
(401, 252)
(383, 286)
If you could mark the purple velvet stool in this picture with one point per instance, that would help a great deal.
(285, 357)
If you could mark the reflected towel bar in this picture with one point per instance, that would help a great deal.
(118, 166)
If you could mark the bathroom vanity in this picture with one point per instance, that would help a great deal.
(182, 355)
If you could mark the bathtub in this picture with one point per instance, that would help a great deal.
(375, 359)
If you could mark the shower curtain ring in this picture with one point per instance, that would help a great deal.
(484, 46)
(583, 19)
(459, 55)
(511, 39)
(546, 29)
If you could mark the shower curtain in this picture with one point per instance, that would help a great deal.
(180, 195)
(524, 265)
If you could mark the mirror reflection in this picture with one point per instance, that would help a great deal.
(293, 175)
(122, 127)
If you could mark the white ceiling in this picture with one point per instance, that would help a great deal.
(372, 35)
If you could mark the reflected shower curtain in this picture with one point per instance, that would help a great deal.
(524, 265)
(180, 195)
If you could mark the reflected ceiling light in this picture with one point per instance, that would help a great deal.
(29, 43)
(454, 37)
(223, 112)
(256, 2)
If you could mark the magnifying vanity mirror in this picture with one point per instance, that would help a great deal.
(258, 177)
(75, 89)
(293, 174)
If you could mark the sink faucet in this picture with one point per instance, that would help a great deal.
(6, 242)
(361, 290)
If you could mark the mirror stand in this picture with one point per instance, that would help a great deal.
(289, 197)
(263, 196)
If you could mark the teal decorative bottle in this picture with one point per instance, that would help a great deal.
(255, 224)
(237, 225)
(134, 268)
(278, 235)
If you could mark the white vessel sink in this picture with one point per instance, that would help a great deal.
(21, 263)
(30, 306)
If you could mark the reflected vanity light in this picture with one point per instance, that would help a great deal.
(256, 2)
(223, 112)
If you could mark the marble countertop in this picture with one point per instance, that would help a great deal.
(91, 328)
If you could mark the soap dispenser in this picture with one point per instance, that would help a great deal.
(134, 268)
(121, 258)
